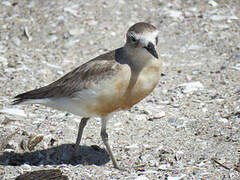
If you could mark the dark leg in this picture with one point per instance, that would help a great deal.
(80, 132)
(104, 136)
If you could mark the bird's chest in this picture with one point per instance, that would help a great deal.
(126, 90)
(141, 87)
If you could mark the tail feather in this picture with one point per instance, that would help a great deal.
(17, 101)
(35, 94)
(20, 98)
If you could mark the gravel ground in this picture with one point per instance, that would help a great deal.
(188, 128)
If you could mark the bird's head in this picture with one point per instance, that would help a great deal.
(143, 36)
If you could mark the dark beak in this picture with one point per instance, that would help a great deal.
(151, 49)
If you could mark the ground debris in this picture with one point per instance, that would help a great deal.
(4, 141)
(237, 166)
(50, 174)
(220, 164)
(7, 121)
(33, 141)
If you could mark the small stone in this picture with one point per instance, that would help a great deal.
(76, 31)
(217, 17)
(176, 177)
(159, 115)
(52, 38)
(92, 22)
(224, 120)
(179, 155)
(172, 120)
(141, 178)
(26, 167)
(194, 47)
(212, 3)
(6, 3)
(191, 87)
(133, 146)
(113, 33)
(233, 17)
(175, 14)
(71, 11)
(16, 41)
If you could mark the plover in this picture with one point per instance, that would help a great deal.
(111, 82)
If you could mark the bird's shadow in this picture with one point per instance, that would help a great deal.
(88, 155)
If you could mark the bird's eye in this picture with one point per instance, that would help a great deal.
(133, 39)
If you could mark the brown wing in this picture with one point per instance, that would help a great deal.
(94, 71)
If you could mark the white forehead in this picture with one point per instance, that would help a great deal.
(145, 36)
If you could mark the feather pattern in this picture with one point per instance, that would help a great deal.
(94, 71)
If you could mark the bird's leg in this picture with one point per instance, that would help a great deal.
(82, 124)
(104, 136)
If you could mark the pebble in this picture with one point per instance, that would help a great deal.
(16, 41)
(217, 17)
(118, 124)
(71, 11)
(224, 120)
(179, 155)
(176, 177)
(71, 43)
(6, 3)
(92, 22)
(173, 120)
(233, 17)
(194, 47)
(133, 146)
(159, 115)
(150, 172)
(191, 87)
(3, 60)
(204, 110)
(141, 178)
(174, 14)
(52, 38)
(76, 31)
(164, 166)
(212, 3)
(3, 48)
(26, 167)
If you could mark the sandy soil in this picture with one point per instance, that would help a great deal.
(188, 128)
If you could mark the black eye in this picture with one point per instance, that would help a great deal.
(133, 39)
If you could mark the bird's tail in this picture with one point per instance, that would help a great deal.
(33, 97)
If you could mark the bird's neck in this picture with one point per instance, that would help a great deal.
(138, 58)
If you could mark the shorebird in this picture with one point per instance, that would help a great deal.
(111, 82)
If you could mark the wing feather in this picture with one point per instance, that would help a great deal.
(92, 72)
